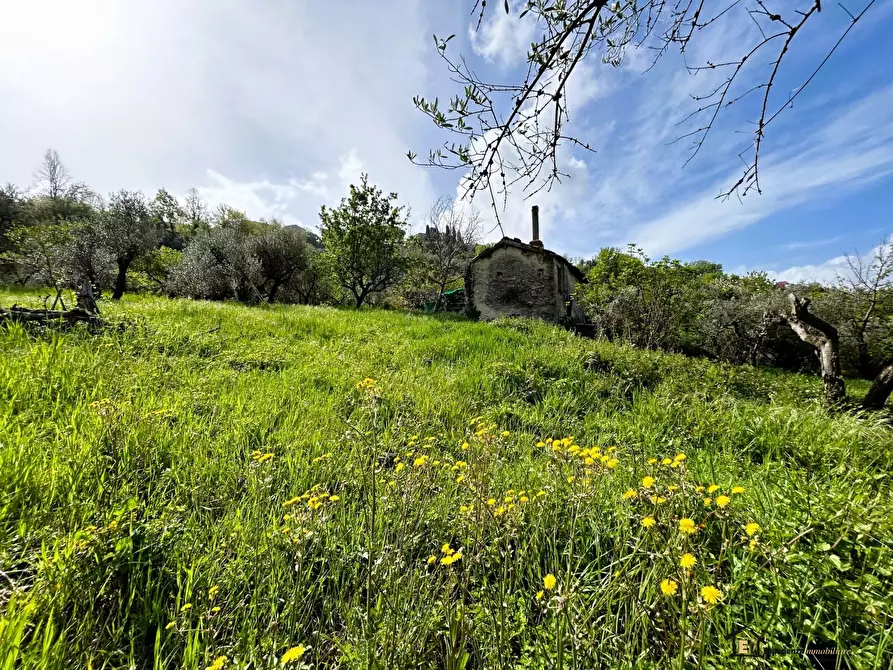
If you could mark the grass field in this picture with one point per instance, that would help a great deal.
(210, 485)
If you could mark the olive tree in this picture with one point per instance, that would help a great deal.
(128, 231)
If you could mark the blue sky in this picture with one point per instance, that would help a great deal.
(276, 107)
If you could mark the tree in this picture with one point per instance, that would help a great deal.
(652, 304)
(218, 264)
(128, 231)
(12, 202)
(821, 335)
(868, 299)
(512, 131)
(53, 180)
(363, 238)
(168, 217)
(195, 211)
(448, 243)
(281, 253)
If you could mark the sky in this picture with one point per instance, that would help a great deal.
(276, 107)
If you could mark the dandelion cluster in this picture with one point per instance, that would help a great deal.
(680, 517)
(261, 457)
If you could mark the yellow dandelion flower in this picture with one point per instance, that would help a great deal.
(465, 445)
(753, 544)
(666, 461)
(505, 433)
(556, 446)
(213, 591)
(170, 625)
(570, 480)
(648, 482)
(293, 654)
(629, 494)
(687, 561)
(699, 489)
(540, 594)
(431, 559)
(524, 499)
(711, 594)
(652, 461)
(708, 502)
(668, 587)
(648, 521)
(499, 511)
(215, 609)
(508, 499)
(218, 663)
(549, 582)
(672, 487)
(611, 463)
(541, 444)
(186, 607)
(723, 501)
(399, 467)
(420, 462)
(737, 490)
(460, 479)
(687, 526)
(334, 498)
(752, 529)
(589, 460)
(491, 502)
(680, 457)
(712, 488)
(540, 493)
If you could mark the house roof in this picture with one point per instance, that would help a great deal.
(528, 248)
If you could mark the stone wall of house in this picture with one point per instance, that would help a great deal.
(518, 282)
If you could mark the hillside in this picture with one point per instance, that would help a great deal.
(206, 480)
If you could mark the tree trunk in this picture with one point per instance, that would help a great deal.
(121, 279)
(866, 369)
(271, 296)
(823, 336)
(880, 389)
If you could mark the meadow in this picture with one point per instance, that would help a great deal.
(206, 485)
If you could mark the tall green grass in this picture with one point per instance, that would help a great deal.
(202, 480)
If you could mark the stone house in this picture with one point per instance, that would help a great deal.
(512, 278)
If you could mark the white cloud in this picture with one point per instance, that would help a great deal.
(811, 244)
(503, 37)
(827, 272)
(854, 148)
(823, 273)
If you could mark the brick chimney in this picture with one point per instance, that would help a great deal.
(535, 215)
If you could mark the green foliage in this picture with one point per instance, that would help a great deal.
(363, 239)
(190, 460)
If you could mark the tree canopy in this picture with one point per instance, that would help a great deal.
(363, 238)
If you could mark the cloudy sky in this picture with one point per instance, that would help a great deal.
(275, 107)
